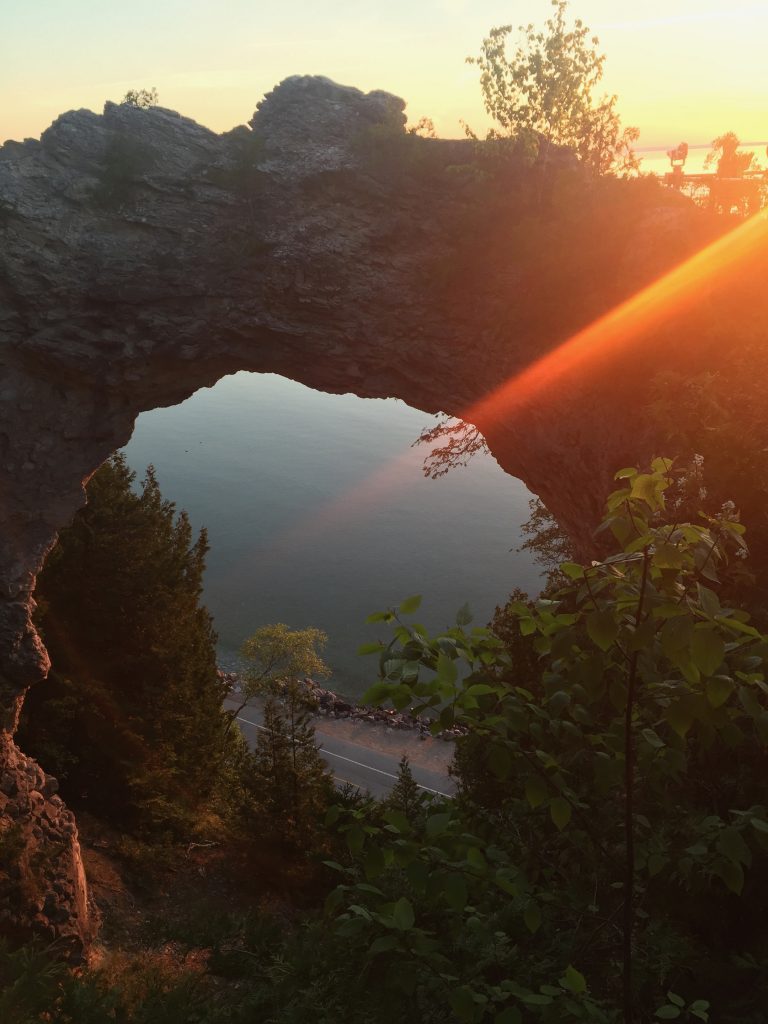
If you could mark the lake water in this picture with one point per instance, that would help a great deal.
(656, 161)
(318, 514)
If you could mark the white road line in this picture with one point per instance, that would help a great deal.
(368, 767)
(249, 722)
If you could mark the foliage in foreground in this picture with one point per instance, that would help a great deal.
(619, 876)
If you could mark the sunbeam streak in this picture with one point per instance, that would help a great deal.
(711, 269)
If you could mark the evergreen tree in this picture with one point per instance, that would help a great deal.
(406, 795)
(292, 785)
(130, 717)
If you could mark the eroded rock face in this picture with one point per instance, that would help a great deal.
(143, 256)
(42, 882)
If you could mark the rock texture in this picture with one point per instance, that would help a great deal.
(42, 882)
(143, 256)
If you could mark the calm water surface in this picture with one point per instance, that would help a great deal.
(318, 514)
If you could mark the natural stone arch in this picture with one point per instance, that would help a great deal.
(144, 257)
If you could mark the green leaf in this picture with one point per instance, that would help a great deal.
(464, 615)
(536, 791)
(410, 604)
(475, 858)
(534, 999)
(532, 917)
(624, 474)
(505, 884)
(355, 839)
(463, 1003)
(602, 628)
(645, 487)
(397, 821)
(675, 999)
(668, 1012)
(560, 812)
(676, 634)
(709, 601)
(653, 739)
(655, 864)
(574, 981)
(731, 844)
(455, 890)
(365, 887)
(719, 689)
(379, 617)
(668, 556)
(572, 570)
(332, 815)
(558, 701)
(383, 944)
(437, 823)
(759, 824)
(447, 670)
(374, 862)
(707, 650)
(732, 874)
(403, 916)
(377, 693)
(372, 648)
(479, 690)
(509, 1015)
(680, 716)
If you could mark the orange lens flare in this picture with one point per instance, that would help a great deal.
(671, 295)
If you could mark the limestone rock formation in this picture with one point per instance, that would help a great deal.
(42, 882)
(143, 256)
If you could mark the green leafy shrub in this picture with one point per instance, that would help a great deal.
(631, 851)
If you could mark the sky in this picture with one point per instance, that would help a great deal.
(683, 69)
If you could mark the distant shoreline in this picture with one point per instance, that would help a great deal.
(695, 145)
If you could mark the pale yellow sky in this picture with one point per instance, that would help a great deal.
(683, 69)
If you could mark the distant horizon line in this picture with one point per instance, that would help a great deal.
(696, 145)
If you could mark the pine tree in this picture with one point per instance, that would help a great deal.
(130, 716)
(292, 785)
(406, 795)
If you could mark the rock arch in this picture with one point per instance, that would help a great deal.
(144, 256)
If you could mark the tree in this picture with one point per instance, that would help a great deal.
(424, 128)
(731, 190)
(731, 161)
(543, 94)
(276, 655)
(130, 716)
(406, 796)
(142, 98)
(291, 784)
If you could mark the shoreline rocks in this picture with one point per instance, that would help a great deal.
(330, 705)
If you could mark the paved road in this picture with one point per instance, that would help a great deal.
(363, 765)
